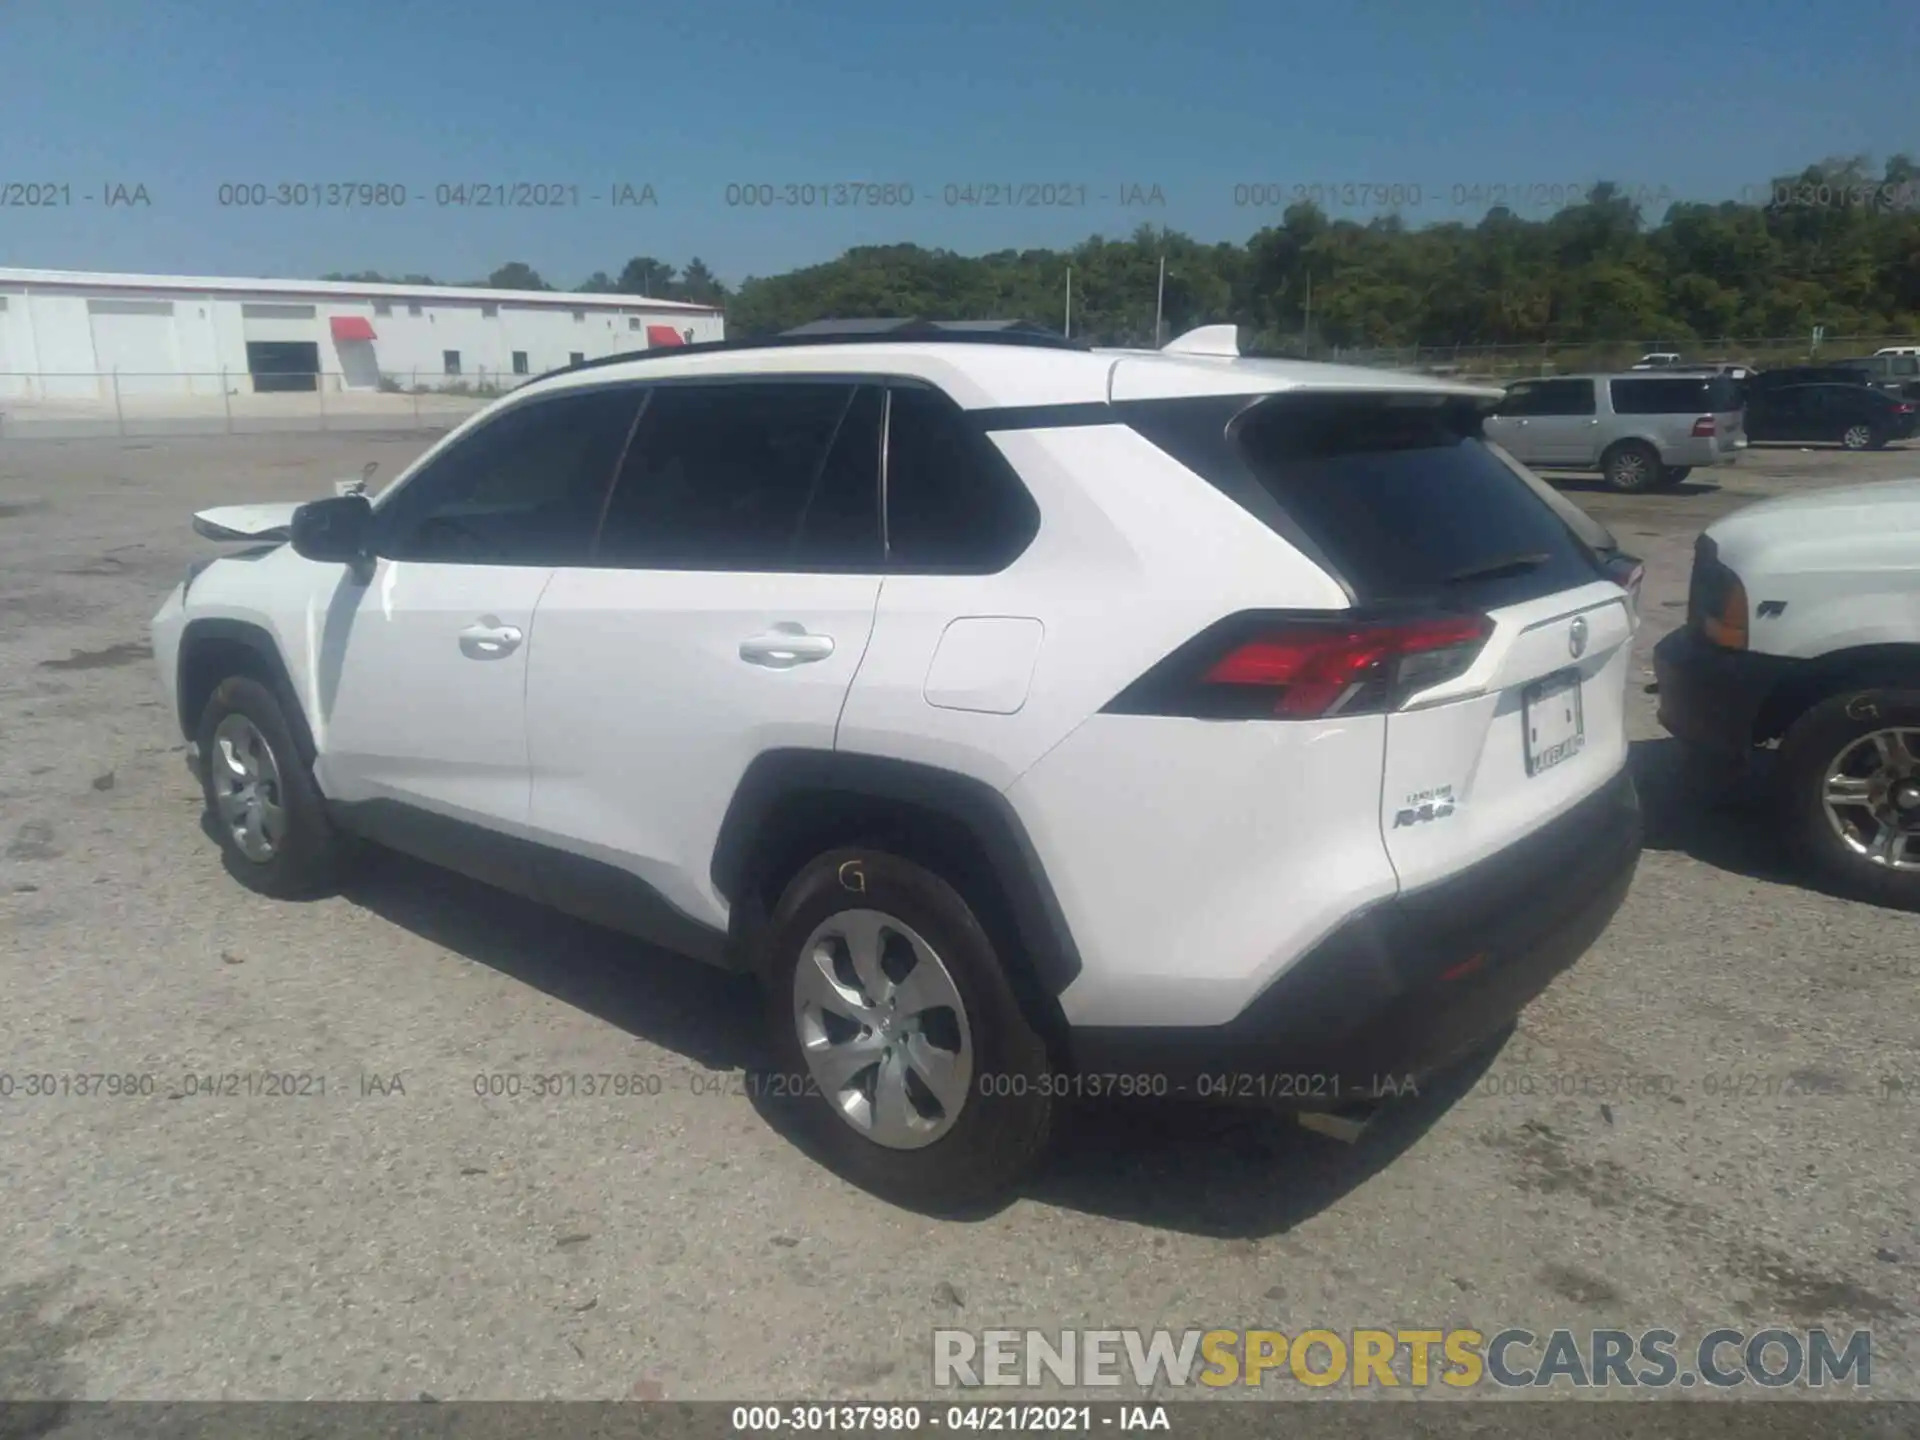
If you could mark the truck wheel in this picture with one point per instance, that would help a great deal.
(273, 827)
(1851, 768)
(913, 1069)
(1632, 466)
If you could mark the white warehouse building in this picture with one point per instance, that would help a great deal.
(67, 334)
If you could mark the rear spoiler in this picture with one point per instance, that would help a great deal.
(1220, 340)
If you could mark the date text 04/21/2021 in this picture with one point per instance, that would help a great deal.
(914, 1419)
(1012, 195)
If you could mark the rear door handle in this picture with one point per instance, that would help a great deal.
(785, 646)
(488, 639)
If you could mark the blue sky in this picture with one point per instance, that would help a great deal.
(1698, 97)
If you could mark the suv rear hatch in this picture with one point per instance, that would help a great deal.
(1502, 644)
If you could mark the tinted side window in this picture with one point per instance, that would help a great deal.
(756, 476)
(1521, 399)
(954, 504)
(1562, 397)
(524, 489)
(1666, 397)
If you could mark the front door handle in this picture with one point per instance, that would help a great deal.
(488, 639)
(785, 646)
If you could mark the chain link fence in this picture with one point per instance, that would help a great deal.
(76, 405)
(86, 404)
(1499, 362)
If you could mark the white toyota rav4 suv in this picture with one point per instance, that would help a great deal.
(1033, 720)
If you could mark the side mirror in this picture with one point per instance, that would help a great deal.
(336, 531)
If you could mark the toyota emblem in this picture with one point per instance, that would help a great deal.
(1577, 637)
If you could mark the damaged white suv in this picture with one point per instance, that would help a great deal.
(1033, 720)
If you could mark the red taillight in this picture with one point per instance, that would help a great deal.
(1704, 428)
(1903, 409)
(1318, 669)
(1628, 573)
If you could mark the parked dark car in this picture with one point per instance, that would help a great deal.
(1804, 375)
(1856, 416)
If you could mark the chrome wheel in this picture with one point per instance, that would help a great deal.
(883, 1029)
(246, 788)
(1857, 437)
(1631, 469)
(1872, 794)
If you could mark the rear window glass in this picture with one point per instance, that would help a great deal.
(1407, 502)
(1675, 396)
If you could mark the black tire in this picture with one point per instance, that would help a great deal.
(311, 856)
(1862, 436)
(996, 1138)
(1632, 467)
(1811, 745)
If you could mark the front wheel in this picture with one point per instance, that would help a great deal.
(267, 812)
(1632, 467)
(916, 1073)
(1851, 767)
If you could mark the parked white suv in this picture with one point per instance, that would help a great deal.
(1801, 655)
(1035, 721)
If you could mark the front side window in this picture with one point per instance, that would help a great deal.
(525, 488)
(760, 476)
(1549, 397)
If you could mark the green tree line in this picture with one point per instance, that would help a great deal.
(1836, 245)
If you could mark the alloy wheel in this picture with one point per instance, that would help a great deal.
(1857, 437)
(245, 779)
(1630, 470)
(1871, 791)
(883, 1028)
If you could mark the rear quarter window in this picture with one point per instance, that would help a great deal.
(1675, 396)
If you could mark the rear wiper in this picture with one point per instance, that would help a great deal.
(1501, 568)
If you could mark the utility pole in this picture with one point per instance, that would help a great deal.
(1159, 302)
(1069, 328)
(1309, 321)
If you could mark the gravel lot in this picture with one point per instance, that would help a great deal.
(401, 1235)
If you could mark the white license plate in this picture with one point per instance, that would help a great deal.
(1555, 727)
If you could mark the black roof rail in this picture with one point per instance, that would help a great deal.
(852, 332)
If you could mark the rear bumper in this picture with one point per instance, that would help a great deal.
(1700, 454)
(1711, 698)
(1407, 986)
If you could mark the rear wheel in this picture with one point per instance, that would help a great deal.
(1632, 466)
(915, 1071)
(1861, 437)
(1851, 767)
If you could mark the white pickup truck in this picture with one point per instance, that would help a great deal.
(1803, 628)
